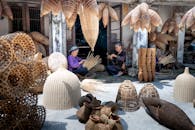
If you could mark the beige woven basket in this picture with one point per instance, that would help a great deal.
(127, 96)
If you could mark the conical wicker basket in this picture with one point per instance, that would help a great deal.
(61, 90)
(148, 90)
(127, 96)
(23, 46)
(184, 88)
(90, 26)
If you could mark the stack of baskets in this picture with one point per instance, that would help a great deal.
(18, 75)
(147, 64)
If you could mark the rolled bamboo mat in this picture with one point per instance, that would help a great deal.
(6, 54)
(23, 45)
(146, 64)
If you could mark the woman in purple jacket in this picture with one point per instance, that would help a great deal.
(75, 63)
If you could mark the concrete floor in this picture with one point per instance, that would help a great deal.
(138, 120)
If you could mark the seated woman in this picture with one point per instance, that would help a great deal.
(117, 61)
(75, 63)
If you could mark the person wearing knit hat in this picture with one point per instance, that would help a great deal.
(75, 63)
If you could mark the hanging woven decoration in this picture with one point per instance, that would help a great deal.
(105, 11)
(23, 46)
(188, 19)
(170, 27)
(142, 17)
(146, 64)
(149, 90)
(6, 54)
(127, 96)
(89, 24)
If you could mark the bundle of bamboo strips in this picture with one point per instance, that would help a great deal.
(170, 27)
(146, 64)
(92, 61)
(188, 19)
(5, 9)
(23, 46)
(161, 40)
(142, 17)
(105, 11)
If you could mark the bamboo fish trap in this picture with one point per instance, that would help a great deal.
(23, 46)
(92, 61)
(147, 64)
(89, 26)
(127, 96)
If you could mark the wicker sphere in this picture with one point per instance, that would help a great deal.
(56, 60)
(61, 90)
(148, 90)
(127, 96)
(184, 88)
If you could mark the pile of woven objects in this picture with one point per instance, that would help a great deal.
(97, 116)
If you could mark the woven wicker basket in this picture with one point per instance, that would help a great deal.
(148, 90)
(127, 96)
(23, 46)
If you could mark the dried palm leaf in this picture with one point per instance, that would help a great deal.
(183, 20)
(144, 8)
(193, 12)
(101, 8)
(56, 8)
(145, 18)
(165, 27)
(176, 30)
(7, 10)
(113, 13)
(137, 25)
(160, 45)
(152, 36)
(165, 38)
(171, 26)
(167, 60)
(155, 18)
(105, 16)
(89, 26)
(68, 7)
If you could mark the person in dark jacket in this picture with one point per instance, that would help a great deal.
(117, 61)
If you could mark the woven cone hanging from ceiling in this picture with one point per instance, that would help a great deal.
(89, 26)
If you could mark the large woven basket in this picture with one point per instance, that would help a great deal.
(127, 96)
(148, 90)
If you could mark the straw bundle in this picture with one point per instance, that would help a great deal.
(142, 17)
(23, 45)
(105, 11)
(170, 27)
(188, 19)
(92, 61)
(167, 60)
(89, 26)
(6, 9)
(127, 96)
(146, 64)
(6, 54)
(37, 36)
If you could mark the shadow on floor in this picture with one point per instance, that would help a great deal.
(54, 125)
